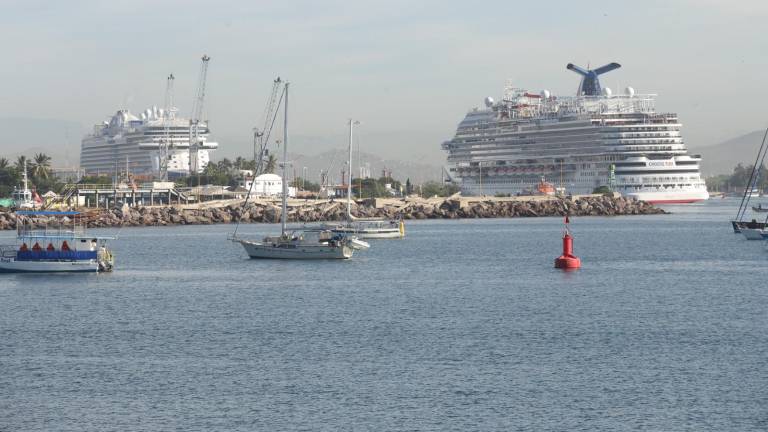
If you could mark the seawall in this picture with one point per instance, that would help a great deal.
(328, 210)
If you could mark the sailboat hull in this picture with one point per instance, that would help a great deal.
(258, 250)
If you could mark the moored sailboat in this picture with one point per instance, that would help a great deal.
(306, 244)
(370, 228)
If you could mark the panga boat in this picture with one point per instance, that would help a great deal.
(760, 208)
(64, 248)
(305, 244)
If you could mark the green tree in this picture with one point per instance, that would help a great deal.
(4, 163)
(19, 164)
(432, 188)
(304, 184)
(271, 164)
(41, 166)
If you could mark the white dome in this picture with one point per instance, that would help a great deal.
(607, 91)
(629, 91)
(489, 101)
(545, 94)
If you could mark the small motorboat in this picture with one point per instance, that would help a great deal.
(760, 208)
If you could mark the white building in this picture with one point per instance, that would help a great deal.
(266, 185)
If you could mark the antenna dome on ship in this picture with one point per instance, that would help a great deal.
(629, 91)
(489, 101)
(607, 91)
(545, 94)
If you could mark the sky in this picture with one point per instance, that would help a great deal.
(408, 70)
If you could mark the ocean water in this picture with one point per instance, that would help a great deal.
(464, 325)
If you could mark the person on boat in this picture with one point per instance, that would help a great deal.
(24, 247)
(65, 246)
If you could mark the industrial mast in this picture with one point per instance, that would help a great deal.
(168, 116)
(196, 117)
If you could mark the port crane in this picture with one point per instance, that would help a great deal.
(168, 117)
(196, 117)
(261, 136)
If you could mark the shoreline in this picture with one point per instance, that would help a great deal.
(310, 211)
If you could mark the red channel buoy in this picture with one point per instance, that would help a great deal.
(567, 261)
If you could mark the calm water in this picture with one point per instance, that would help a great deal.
(464, 325)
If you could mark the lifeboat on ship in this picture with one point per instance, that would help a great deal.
(545, 188)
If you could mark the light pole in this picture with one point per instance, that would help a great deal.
(303, 177)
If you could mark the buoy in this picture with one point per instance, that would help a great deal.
(567, 261)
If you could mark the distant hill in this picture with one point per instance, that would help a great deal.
(721, 158)
(60, 139)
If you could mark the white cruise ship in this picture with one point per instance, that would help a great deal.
(136, 142)
(580, 143)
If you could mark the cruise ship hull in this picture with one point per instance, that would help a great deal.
(654, 197)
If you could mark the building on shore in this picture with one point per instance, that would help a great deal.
(265, 185)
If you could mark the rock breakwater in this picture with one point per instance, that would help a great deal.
(316, 211)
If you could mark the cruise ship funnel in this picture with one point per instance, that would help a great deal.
(590, 83)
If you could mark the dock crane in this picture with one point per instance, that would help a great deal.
(168, 117)
(261, 136)
(196, 117)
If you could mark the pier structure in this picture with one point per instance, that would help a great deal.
(113, 195)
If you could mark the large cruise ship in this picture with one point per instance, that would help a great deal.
(580, 143)
(139, 141)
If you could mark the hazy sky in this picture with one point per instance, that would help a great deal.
(409, 70)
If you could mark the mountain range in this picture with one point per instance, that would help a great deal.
(722, 158)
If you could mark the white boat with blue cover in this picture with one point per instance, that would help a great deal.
(62, 246)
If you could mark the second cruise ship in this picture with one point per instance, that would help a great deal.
(579, 143)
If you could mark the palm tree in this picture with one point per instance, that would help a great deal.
(41, 165)
(19, 164)
(271, 164)
(225, 165)
(240, 162)
(4, 163)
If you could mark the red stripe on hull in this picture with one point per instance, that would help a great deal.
(683, 201)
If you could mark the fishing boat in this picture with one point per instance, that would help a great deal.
(367, 228)
(307, 244)
(64, 248)
(760, 208)
(22, 197)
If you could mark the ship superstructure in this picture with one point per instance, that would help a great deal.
(579, 143)
(139, 141)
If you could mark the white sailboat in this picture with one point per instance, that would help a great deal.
(364, 227)
(299, 244)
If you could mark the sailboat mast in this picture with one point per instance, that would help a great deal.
(26, 183)
(349, 179)
(284, 213)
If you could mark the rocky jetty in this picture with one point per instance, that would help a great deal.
(316, 211)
